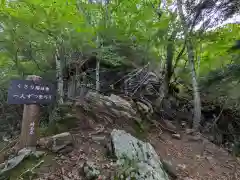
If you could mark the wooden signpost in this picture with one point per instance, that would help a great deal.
(31, 93)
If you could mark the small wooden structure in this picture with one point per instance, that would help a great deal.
(31, 92)
(30, 122)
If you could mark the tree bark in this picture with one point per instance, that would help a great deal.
(169, 59)
(83, 87)
(190, 53)
(168, 68)
(59, 77)
(97, 75)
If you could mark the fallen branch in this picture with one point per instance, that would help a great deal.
(10, 144)
(156, 123)
(30, 172)
(10, 147)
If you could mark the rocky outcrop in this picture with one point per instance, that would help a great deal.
(109, 109)
(143, 161)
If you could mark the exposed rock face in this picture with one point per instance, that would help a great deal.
(146, 164)
(90, 170)
(109, 109)
(57, 143)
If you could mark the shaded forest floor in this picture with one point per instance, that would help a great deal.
(191, 157)
(197, 158)
(186, 155)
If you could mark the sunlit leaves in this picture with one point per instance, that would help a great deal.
(215, 46)
(37, 26)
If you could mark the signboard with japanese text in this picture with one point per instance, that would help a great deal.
(31, 92)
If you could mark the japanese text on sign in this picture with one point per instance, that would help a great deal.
(31, 132)
(28, 96)
(33, 87)
(29, 92)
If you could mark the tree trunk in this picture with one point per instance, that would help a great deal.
(83, 87)
(97, 75)
(197, 101)
(199, 60)
(72, 88)
(169, 60)
(59, 77)
(168, 68)
(190, 52)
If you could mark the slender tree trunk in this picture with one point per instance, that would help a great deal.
(199, 60)
(197, 101)
(59, 77)
(190, 52)
(97, 75)
(98, 41)
(168, 68)
(169, 59)
(83, 89)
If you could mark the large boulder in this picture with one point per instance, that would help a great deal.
(112, 109)
(145, 163)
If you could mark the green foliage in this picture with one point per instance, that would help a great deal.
(33, 29)
(61, 120)
(119, 33)
(222, 86)
(215, 45)
(229, 71)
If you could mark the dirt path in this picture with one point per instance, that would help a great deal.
(191, 159)
(196, 158)
(89, 146)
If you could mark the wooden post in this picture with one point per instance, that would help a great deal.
(30, 122)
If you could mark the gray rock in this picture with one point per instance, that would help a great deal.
(62, 140)
(38, 154)
(24, 151)
(170, 125)
(169, 168)
(190, 131)
(146, 164)
(15, 161)
(90, 170)
(107, 109)
(176, 136)
(98, 138)
(12, 163)
(58, 142)
(195, 138)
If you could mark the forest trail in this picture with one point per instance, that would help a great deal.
(197, 158)
(191, 157)
(86, 144)
(86, 148)
(119, 65)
